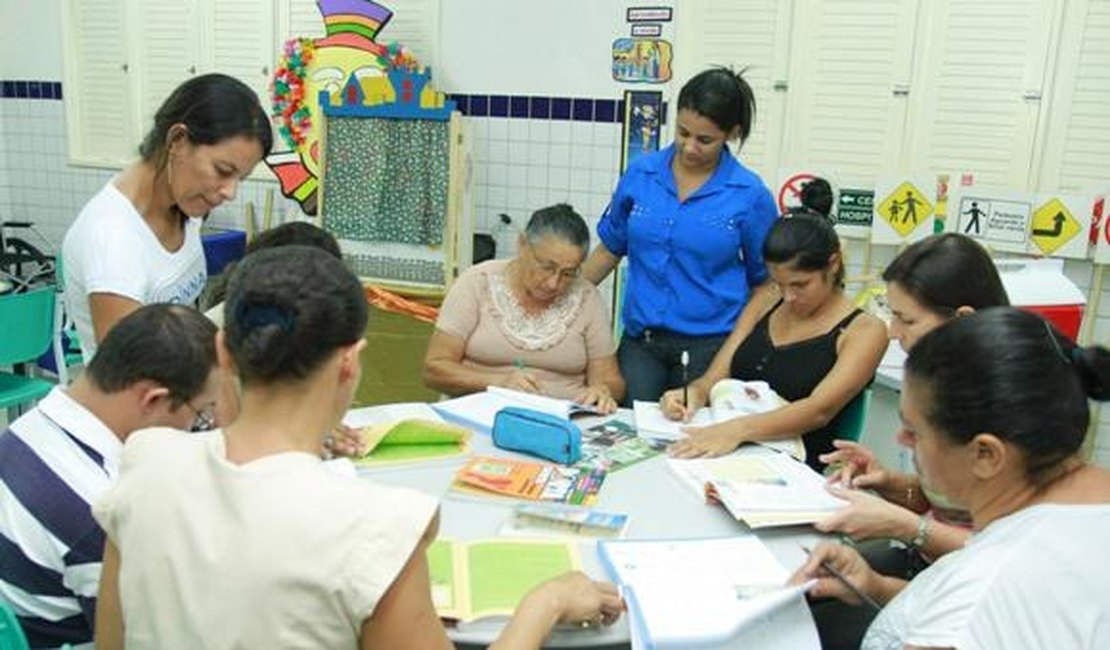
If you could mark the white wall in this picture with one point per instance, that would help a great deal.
(31, 47)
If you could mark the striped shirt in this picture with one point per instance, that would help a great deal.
(55, 462)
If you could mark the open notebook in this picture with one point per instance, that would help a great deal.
(697, 592)
(406, 433)
(760, 487)
(729, 399)
(478, 410)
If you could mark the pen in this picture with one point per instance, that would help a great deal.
(871, 602)
(685, 378)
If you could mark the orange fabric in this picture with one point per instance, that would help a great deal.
(396, 303)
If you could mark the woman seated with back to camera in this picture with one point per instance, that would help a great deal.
(530, 324)
(807, 340)
(995, 408)
(242, 538)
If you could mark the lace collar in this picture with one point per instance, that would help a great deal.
(533, 331)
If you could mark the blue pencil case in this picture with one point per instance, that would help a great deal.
(537, 433)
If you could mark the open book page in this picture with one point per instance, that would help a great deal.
(697, 591)
(479, 409)
(490, 577)
(389, 413)
(759, 486)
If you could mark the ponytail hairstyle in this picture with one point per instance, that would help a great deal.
(723, 96)
(1010, 373)
(805, 240)
(213, 107)
(288, 309)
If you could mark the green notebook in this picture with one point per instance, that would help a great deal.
(490, 577)
(413, 441)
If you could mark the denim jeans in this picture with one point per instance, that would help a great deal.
(652, 363)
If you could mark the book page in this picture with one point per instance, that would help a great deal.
(389, 413)
(501, 572)
(690, 591)
(652, 423)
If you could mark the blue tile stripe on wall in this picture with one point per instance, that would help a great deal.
(578, 109)
(20, 89)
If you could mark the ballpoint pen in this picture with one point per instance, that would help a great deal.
(685, 378)
(868, 600)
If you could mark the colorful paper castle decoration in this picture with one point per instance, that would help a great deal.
(399, 94)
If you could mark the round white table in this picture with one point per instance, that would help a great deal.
(659, 506)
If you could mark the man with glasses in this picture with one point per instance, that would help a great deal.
(157, 367)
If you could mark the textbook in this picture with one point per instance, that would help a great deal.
(697, 592)
(543, 520)
(760, 487)
(479, 409)
(404, 433)
(529, 480)
(614, 445)
(490, 577)
(728, 399)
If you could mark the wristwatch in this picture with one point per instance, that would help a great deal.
(918, 540)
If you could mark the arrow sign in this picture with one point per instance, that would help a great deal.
(1057, 227)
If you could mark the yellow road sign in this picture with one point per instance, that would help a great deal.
(905, 208)
(1053, 226)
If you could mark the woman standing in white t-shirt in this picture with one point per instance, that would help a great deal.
(241, 537)
(994, 406)
(138, 240)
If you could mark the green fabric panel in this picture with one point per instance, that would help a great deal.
(392, 360)
(386, 180)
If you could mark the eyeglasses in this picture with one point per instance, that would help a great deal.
(549, 268)
(204, 419)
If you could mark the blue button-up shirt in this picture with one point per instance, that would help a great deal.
(691, 264)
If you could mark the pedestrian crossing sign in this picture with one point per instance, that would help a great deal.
(905, 209)
(1053, 226)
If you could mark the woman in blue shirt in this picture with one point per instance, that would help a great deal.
(692, 221)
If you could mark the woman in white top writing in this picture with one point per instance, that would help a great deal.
(994, 406)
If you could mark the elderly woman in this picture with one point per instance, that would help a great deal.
(530, 323)
(994, 406)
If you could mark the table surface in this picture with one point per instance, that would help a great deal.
(659, 505)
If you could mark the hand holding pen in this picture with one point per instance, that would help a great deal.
(685, 379)
(841, 573)
(519, 378)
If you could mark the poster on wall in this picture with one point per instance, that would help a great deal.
(643, 111)
(855, 210)
(904, 208)
(1060, 225)
(997, 219)
(642, 60)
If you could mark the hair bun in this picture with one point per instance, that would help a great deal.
(1092, 364)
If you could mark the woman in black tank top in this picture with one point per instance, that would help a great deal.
(802, 336)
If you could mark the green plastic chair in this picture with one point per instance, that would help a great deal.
(854, 418)
(11, 635)
(29, 326)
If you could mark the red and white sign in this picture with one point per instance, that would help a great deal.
(789, 194)
(1100, 231)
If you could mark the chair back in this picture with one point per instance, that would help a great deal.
(28, 324)
(854, 417)
(11, 634)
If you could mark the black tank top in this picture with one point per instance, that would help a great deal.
(793, 371)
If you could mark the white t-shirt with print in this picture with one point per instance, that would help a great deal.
(111, 249)
(1034, 579)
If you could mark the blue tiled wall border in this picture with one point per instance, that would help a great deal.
(578, 109)
(20, 89)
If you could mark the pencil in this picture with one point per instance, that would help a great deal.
(868, 600)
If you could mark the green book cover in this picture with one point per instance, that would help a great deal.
(490, 577)
(413, 441)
